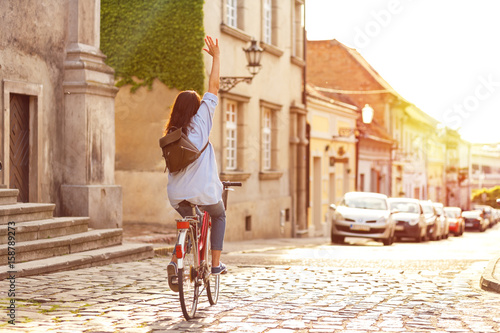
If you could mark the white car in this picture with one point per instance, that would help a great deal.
(363, 214)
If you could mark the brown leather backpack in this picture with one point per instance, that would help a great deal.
(178, 150)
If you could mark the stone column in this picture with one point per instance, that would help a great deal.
(89, 123)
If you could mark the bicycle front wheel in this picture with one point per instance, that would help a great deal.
(213, 281)
(187, 278)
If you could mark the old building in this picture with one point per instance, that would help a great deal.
(57, 185)
(458, 161)
(332, 151)
(57, 138)
(336, 68)
(415, 133)
(259, 132)
(485, 166)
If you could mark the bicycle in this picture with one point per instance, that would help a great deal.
(194, 260)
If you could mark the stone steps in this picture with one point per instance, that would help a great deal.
(25, 212)
(8, 197)
(43, 229)
(98, 257)
(59, 246)
(45, 244)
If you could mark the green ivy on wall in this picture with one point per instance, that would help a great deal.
(150, 39)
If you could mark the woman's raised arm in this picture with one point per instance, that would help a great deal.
(213, 50)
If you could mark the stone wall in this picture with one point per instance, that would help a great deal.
(33, 42)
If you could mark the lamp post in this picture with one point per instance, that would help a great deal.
(253, 55)
(367, 117)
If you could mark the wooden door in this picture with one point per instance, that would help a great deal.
(19, 145)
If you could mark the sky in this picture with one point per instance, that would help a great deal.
(441, 55)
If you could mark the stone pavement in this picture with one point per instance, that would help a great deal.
(134, 297)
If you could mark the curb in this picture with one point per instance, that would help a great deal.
(163, 250)
(488, 281)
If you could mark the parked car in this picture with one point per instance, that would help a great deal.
(474, 219)
(457, 224)
(409, 217)
(442, 219)
(363, 214)
(487, 213)
(433, 227)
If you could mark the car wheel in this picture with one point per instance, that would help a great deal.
(337, 239)
(388, 241)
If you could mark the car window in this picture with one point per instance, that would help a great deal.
(365, 203)
(427, 209)
(439, 210)
(405, 207)
(452, 213)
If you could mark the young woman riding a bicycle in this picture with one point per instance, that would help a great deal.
(199, 183)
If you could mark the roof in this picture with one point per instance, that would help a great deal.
(321, 93)
(366, 66)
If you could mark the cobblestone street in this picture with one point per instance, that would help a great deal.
(134, 297)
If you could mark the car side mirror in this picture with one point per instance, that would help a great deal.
(333, 207)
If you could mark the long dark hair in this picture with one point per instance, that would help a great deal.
(185, 106)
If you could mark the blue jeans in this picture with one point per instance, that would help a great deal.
(218, 216)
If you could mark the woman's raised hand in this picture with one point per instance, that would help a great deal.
(212, 48)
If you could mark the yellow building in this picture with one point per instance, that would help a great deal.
(332, 156)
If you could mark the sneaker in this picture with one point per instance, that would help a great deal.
(172, 276)
(221, 269)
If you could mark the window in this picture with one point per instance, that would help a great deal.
(232, 13)
(239, 148)
(269, 144)
(268, 21)
(231, 135)
(266, 140)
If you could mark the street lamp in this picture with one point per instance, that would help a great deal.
(367, 114)
(253, 55)
(367, 117)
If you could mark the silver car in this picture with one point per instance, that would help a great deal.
(433, 226)
(363, 214)
(410, 218)
(443, 219)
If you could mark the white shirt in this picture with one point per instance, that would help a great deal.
(199, 183)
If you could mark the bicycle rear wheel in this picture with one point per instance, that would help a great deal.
(213, 281)
(188, 279)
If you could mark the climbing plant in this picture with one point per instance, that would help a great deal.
(148, 39)
(487, 196)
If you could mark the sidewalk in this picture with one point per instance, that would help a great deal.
(490, 280)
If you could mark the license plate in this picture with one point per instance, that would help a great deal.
(400, 228)
(359, 227)
(469, 224)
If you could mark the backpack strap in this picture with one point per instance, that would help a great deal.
(201, 152)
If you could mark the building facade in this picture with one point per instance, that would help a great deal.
(57, 138)
(339, 70)
(332, 161)
(485, 166)
(259, 129)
